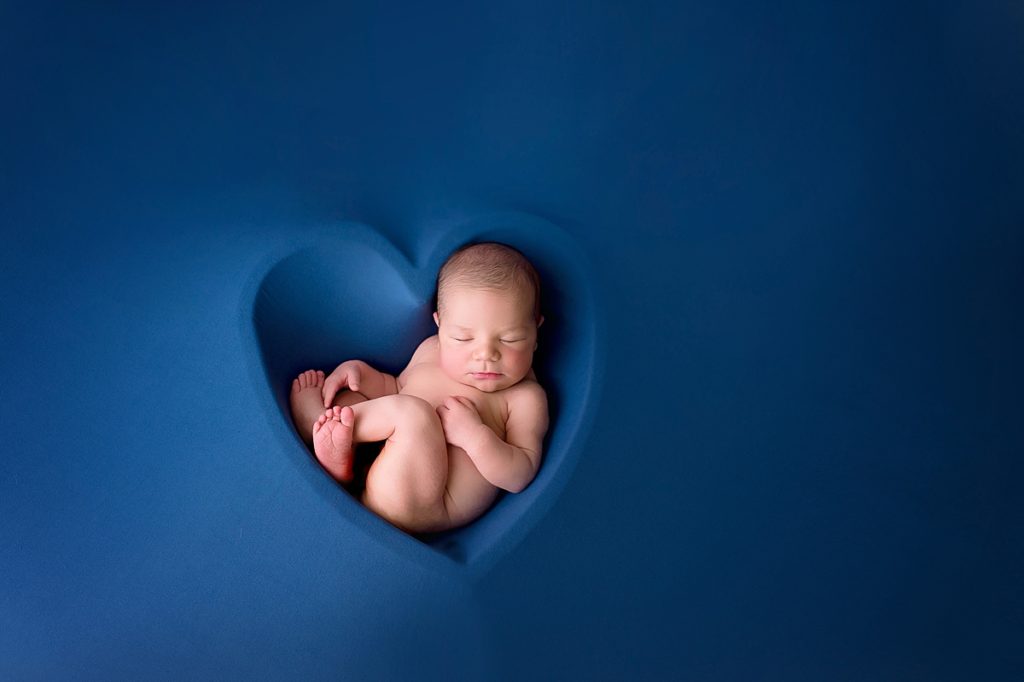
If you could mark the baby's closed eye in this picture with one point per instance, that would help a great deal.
(470, 338)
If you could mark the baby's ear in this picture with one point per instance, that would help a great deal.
(540, 321)
(437, 320)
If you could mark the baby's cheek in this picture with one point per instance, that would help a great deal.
(450, 363)
(520, 361)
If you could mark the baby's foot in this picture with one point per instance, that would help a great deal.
(332, 442)
(307, 402)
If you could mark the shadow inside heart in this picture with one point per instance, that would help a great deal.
(359, 297)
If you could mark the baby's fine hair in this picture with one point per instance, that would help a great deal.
(488, 265)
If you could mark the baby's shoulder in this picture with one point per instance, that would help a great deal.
(426, 351)
(526, 393)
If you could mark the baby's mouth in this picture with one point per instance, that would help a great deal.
(485, 375)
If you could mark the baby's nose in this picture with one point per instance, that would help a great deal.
(486, 351)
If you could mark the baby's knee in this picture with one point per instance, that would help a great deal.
(413, 411)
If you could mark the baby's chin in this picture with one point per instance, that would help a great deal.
(485, 386)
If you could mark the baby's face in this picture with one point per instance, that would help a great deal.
(487, 338)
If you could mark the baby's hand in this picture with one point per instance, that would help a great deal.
(460, 420)
(347, 375)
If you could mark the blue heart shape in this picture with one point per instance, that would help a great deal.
(354, 294)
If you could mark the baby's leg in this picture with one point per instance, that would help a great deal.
(407, 483)
(307, 402)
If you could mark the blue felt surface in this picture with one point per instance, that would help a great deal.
(785, 250)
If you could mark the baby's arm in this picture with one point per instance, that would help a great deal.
(509, 464)
(359, 377)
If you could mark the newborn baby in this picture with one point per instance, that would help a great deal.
(463, 419)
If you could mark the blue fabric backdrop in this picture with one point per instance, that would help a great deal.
(784, 244)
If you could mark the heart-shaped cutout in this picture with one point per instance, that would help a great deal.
(353, 294)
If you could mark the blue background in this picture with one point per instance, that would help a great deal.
(802, 228)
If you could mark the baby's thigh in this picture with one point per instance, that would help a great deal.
(397, 417)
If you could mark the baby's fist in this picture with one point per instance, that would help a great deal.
(459, 419)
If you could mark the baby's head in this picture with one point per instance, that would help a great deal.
(488, 312)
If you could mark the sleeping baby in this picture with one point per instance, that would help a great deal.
(465, 418)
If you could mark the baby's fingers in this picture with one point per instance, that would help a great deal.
(331, 387)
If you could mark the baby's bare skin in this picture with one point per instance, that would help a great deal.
(464, 419)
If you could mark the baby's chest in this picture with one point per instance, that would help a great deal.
(431, 384)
